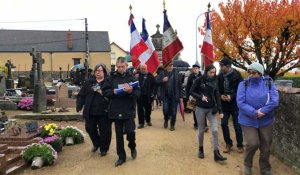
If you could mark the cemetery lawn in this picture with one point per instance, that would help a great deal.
(160, 151)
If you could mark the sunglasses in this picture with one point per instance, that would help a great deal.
(251, 72)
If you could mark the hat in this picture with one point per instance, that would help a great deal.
(196, 65)
(226, 61)
(257, 67)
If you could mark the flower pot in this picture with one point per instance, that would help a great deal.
(69, 141)
(37, 163)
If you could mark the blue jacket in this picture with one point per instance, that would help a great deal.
(254, 96)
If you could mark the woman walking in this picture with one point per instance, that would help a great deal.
(257, 98)
(97, 124)
(205, 91)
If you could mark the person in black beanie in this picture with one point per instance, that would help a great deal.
(228, 81)
(97, 124)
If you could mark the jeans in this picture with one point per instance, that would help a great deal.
(258, 138)
(170, 110)
(236, 125)
(201, 114)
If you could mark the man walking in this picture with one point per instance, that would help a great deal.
(171, 93)
(147, 83)
(229, 80)
(122, 107)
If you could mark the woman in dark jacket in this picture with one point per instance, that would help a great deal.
(205, 91)
(97, 124)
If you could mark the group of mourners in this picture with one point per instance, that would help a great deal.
(115, 97)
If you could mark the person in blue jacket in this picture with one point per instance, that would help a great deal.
(257, 99)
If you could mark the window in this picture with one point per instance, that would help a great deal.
(76, 61)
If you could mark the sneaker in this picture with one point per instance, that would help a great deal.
(240, 150)
(227, 148)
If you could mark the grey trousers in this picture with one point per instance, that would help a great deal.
(212, 118)
(258, 138)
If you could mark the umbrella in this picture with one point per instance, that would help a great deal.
(180, 63)
(77, 66)
(181, 108)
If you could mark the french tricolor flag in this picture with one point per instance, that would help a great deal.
(149, 57)
(137, 44)
(207, 47)
(171, 44)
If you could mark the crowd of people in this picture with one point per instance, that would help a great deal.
(114, 98)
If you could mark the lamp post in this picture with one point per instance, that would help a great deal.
(197, 35)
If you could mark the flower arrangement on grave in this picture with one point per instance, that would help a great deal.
(26, 103)
(54, 141)
(42, 150)
(71, 132)
(49, 130)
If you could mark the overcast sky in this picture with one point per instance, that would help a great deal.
(111, 16)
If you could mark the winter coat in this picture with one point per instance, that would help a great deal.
(93, 102)
(254, 95)
(190, 82)
(234, 78)
(147, 85)
(209, 88)
(121, 106)
(176, 86)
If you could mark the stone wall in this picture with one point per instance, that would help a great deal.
(286, 138)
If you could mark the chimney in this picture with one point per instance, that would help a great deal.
(70, 38)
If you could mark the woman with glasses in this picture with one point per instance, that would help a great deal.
(205, 91)
(97, 124)
(257, 99)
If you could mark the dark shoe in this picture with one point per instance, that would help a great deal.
(166, 124)
(94, 149)
(172, 128)
(206, 129)
(133, 153)
(119, 162)
(267, 173)
(227, 148)
(218, 156)
(240, 150)
(195, 127)
(149, 123)
(201, 153)
(140, 126)
(103, 153)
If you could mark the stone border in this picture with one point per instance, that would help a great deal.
(55, 117)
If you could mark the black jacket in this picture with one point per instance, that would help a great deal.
(94, 103)
(147, 85)
(121, 106)
(190, 82)
(234, 79)
(201, 87)
(176, 86)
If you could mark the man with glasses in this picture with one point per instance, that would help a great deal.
(228, 81)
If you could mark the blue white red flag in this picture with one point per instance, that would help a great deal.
(137, 44)
(171, 44)
(207, 47)
(149, 57)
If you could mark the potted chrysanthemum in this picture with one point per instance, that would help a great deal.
(49, 130)
(55, 141)
(39, 154)
(71, 135)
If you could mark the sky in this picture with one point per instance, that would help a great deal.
(111, 16)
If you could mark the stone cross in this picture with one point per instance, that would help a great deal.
(9, 66)
(37, 58)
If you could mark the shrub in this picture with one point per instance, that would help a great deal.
(26, 103)
(54, 141)
(43, 150)
(71, 131)
(296, 80)
(48, 130)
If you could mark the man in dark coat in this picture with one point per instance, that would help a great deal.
(228, 81)
(171, 92)
(147, 84)
(123, 97)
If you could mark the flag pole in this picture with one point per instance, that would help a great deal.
(164, 5)
(203, 56)
(130, 8)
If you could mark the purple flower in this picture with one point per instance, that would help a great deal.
(49, 139)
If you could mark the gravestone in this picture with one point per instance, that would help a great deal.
(2, 84)
(9, 80)
(62, 96)
(39, 98)
(21, 81)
